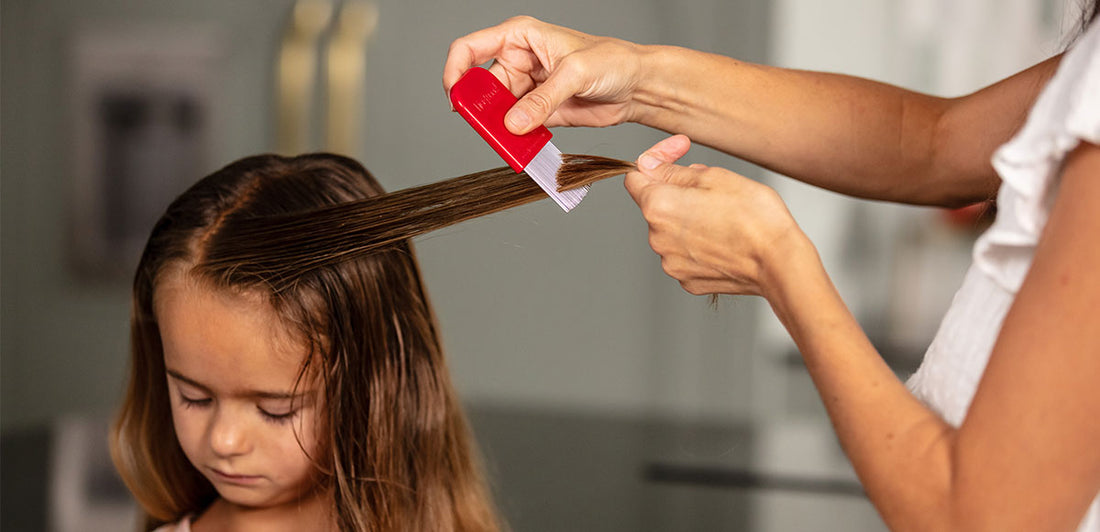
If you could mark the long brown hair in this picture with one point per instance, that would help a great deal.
(272, 246)
(395, 448)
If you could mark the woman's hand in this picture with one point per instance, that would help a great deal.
(716, 231)
(562, 77)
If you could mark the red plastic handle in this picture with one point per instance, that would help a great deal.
(483, 101)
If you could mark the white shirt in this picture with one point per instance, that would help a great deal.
(183, 525)
(1066, 112)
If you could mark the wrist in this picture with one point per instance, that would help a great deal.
(680, 90)
(787, 265)
(660, 85)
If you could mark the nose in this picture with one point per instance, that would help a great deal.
(228, 435)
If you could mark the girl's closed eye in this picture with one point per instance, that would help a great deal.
(197, 401)
(252, 375)
(277, 415)
(281, 410)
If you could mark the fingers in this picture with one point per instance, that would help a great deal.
(655, 167)
(471, 50)
(489, 43)
(535, 107)
(667, 151)
(657, 163)
(518, 83)
(512, 45)
(560, 76)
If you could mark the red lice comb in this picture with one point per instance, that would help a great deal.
(483, 101)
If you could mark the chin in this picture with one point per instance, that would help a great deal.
(257, 498)
(247, 497)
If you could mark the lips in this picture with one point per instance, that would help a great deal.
(232, 478)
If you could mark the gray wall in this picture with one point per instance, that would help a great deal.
(570, 345)
(538, 309)
(64, 339)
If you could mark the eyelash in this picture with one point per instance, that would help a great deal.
(277, 419)
(194, 403)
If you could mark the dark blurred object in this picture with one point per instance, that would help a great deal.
(24, 455)
(60, 478)
(142, 121)
(143, 134)
(728, 477)
(587, 471)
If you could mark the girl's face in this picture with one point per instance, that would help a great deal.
(231, 371)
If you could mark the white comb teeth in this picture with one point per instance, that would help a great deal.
(483, 101)
(543, 168)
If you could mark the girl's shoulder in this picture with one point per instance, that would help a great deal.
(183, 525)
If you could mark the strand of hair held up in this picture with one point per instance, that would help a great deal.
(360, 227)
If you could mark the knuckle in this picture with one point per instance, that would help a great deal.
(771, 194)
(668, 266)
(700, 176)
(524, 23)
(657, 206)
(574, 66)
(460, 46)
(655, 242)
(539, 102)
(521, 20)
(630, 183)
(459, 43)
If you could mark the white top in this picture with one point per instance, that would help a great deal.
(1067, 112)
(183, 525)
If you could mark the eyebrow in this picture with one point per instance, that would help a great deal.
(257, 394)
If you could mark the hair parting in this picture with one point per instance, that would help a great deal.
(326, 250)
(352, 229)
(391, 448)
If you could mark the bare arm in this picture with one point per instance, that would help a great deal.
(1027, 455)
(843, 133)
(1031, 440)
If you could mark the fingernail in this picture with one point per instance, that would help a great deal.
(518, 119)
(648, 162)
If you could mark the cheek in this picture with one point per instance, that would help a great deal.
(190, 426)
(298, 445)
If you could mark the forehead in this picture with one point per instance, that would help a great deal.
(231, 342)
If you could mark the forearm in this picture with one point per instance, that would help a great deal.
(843, 133)
(900, 449)
(1025, 457)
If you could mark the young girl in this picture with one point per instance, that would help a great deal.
(296, 398)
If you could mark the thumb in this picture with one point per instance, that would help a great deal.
(657, 161)
(667, 151)
(535, 107)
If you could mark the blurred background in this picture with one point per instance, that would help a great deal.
(603, 397)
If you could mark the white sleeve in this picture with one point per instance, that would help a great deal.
(1066, 113)
(1084, 117)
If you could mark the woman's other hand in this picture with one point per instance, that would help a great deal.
(716, 231)
(562, 77)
